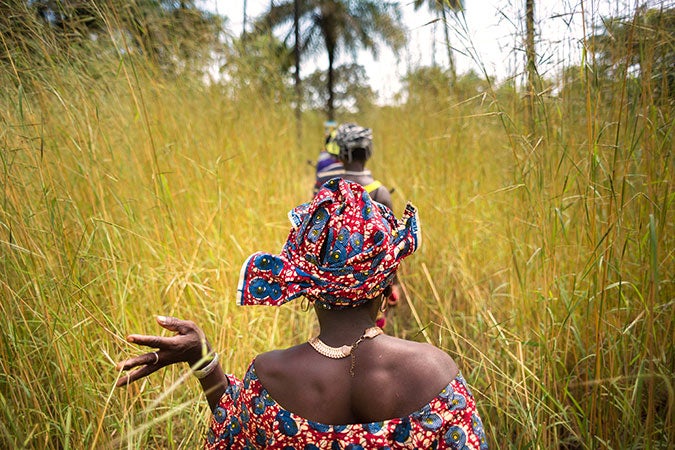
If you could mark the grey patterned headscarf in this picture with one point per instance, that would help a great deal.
(350, 136)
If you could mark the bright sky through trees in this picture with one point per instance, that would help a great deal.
(488, 35)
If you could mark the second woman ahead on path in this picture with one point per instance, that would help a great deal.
(353, 145)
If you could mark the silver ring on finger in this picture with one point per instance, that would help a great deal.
(156, 357)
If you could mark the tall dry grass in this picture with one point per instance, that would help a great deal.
(546, 266)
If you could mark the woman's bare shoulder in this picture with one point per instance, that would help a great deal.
(398, 377)
(423, 359)
(276, 362)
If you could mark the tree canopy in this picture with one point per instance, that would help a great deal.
(336, 26)
(352, 91)
(642, 45)
(177, 36)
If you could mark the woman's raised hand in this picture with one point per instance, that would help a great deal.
(188, 345)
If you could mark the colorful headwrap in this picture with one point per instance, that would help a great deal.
(343, 250)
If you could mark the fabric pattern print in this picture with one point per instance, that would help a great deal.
(247, 417)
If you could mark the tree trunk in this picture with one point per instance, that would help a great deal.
(433, 45)
(451, 58)
(243, 27)
(531, 64)
(298, 87)
(331, 94)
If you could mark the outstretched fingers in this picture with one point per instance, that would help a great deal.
(188, 345)
(151, 341)
(137, 374)
(146, 359)
(177, 325)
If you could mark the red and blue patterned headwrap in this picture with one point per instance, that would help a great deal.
(343, 250)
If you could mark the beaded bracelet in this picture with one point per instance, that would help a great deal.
(206, 370)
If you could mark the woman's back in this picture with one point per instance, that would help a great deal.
(392, 378)
(375, 189)
(399, 398)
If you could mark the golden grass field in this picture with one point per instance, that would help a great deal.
(545, 270)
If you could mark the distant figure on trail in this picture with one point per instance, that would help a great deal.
(328, 165)
(354, 147)
(350, 387)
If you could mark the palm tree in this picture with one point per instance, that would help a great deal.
(440, 6)
(338, 25)
(531, 63)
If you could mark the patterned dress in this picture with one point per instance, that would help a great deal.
(248, 418)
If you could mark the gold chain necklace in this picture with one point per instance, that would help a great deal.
(345, 350)
(328, 351)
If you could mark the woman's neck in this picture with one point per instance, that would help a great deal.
(354, 166)
(343, 327)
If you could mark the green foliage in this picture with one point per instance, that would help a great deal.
(437, 5)
(429, 84)
(177, 36)
(260, 64)
(337, 26)
(470, 85)
(352, 91)
(426, 83)
(642, 47)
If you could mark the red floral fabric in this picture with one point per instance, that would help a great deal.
(248, 418)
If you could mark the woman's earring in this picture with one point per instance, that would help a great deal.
(384, 304)
(304, 304)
